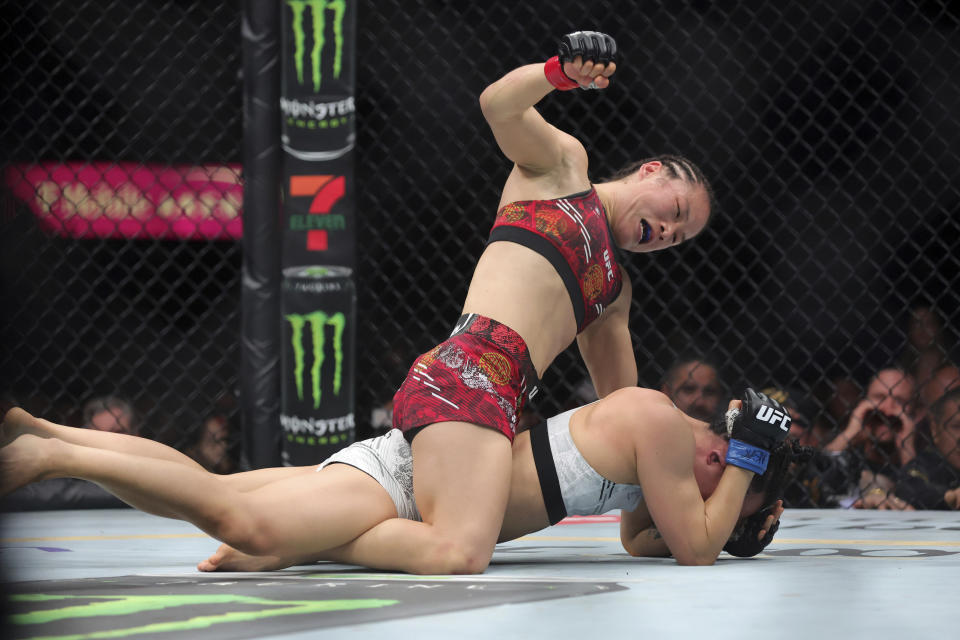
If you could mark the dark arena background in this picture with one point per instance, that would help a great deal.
(139, 197)
(829, 130)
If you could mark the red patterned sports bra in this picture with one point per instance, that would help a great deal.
(572, 233)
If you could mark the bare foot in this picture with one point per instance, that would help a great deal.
(23, 459)
(18, 422)
(226, 558)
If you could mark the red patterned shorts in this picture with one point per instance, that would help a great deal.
(482, 374)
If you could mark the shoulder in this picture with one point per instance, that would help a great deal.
(637, 399)
(643, 414)
(571, 161)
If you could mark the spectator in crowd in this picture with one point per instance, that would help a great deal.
(694, 386)
(110, 413)
(838, 395)
(926, 349)
(945, 378)
(212, 445)
(942, 380)
(826, 479)
(801, 429)
(932, 479)
(882, 425)
(880, 433)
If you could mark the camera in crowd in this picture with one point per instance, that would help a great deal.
(882, 427)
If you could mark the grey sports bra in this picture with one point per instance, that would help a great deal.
(569, 484)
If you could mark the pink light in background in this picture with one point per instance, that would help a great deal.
(131, 200)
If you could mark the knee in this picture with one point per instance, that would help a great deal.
(243, 532)
(457, 557)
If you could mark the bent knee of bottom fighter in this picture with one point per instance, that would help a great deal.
(455, 555)
(244, 531)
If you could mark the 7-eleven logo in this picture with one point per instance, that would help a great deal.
(325, 191)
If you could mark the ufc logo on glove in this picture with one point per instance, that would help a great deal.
(771, 415)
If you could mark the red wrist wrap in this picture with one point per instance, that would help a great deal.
(555, 75)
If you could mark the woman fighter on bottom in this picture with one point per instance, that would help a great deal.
(681, 483)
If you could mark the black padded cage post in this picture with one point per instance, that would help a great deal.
(260, 373)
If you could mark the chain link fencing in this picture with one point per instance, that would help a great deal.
(118, 117)
(829, 130)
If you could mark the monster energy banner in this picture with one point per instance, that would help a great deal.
(318, 131)
(317, 387)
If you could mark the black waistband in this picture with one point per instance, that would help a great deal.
(547, 473)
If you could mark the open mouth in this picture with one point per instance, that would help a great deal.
(646, 232)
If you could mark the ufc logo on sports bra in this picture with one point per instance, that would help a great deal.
(606, 261)
(771, 415)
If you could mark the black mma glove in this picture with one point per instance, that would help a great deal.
(589, 45)
(761, 424)
(743, 542)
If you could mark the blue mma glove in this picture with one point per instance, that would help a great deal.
(761, 424)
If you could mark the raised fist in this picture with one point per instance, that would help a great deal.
(591, 46)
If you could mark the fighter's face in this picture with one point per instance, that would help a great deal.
(710, 463)
(660, 212)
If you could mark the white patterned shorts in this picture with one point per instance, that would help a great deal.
(388, 460)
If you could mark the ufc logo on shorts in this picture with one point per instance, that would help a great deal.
(771, 415)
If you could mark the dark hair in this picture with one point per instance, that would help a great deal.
(772, 481)
(676, 167)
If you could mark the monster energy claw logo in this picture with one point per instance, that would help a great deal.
(318, 23)
(317, 322)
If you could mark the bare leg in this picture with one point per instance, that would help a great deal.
(461, 484)
(19, 422)
(299, 516)
(251, 480)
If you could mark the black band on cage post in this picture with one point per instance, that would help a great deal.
(260, 368)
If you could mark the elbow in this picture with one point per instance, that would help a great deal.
(696, 558)
(488, 101)
(495, 104)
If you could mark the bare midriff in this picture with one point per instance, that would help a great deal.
(520, 288)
